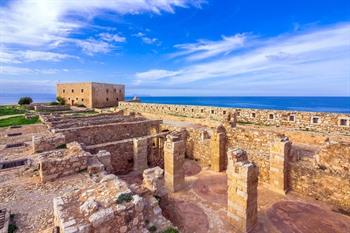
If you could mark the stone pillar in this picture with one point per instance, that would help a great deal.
(242, 193)
(140, 154)
(174, 158)
(218, 149)
(279, 154)
(231, 119)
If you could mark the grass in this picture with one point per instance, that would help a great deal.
(18, 120)
(11, 110)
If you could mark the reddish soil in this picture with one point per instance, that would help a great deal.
(191, 168)
(212, 187)
(295, 216)
(187, 216)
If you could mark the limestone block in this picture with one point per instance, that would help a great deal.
(100, 217)
(90, 206)
(105, 158)
(153, 180)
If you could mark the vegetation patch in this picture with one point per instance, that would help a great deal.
(25, 100)
(63, 146)
(170, 230)
(18, 120)
(11, 110)
(152, 228)
(124, 197)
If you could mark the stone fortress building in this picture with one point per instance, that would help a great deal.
(174, 168)
(91, 94)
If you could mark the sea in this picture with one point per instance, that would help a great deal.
(310, 104)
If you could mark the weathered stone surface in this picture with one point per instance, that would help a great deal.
(153, 180)
(174, 157)
(242, 194)
(88, 207)
(47, 143)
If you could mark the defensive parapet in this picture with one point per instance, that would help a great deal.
(313, 121)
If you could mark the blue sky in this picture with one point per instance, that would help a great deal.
(178, 47)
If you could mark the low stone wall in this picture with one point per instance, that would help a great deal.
(59, 163)
(47, 143)
(51, 108)
(313, 121)
(97, 134)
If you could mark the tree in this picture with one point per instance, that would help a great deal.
(25, 100)
(61, 100)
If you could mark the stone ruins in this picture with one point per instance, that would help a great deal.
(172, 168)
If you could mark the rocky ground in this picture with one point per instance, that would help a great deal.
(31, 201)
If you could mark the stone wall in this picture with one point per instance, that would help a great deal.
(123, 152)
(47, 142)
(51, 108)
(96, 134)
(312, 121)
(59, 163)
(326, 178)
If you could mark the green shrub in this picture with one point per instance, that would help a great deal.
(170, 230)
(12, 228)
(63, 146)
(61, 100)
(25, 100)
(54, 103)
(152, 228)
(124, 197)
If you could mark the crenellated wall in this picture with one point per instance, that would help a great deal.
(312, 121)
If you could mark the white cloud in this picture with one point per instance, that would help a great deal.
(7, 56)
(92, 46)
(112, 37)
(310, 58)
(146, 39)
(15, 70)
(153, 75)
(50, 22)
(205, 49)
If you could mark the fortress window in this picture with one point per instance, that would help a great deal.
(76, 98)
(183, 109)
(192, 110)
(238, 113)
(224, 112)
(82, 90)
(271, 116)
(253, 115)
(68, 98)
(117, 99)
(107, 99)
(120, 91)
(202, 110)
(115, 90)
(212, 112)
(82, 100)
(64, 91)
(72, 90)
(107, 90)
(291, 118)
(315, 120)
(344, 122)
